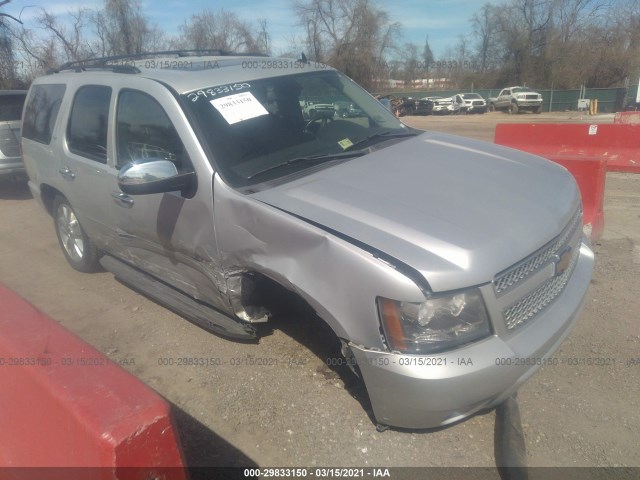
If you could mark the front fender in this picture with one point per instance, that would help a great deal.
(339, 279)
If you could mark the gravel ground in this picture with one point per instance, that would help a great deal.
(292, 409)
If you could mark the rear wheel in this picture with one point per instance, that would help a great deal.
(78, 249)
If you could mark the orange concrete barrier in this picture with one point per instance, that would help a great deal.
(618, 144)
(627, 118)
(64, 404)
(588, 169)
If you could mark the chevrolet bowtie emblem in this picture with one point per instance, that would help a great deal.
(562, 261)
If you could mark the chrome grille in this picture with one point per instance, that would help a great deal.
(533, 303)
(505, 281)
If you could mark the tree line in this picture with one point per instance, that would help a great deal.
(546, 43)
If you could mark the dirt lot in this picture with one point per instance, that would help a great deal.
(296, 410)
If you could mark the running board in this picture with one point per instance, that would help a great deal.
(202, 315)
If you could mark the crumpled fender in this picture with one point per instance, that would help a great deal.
(337, 278)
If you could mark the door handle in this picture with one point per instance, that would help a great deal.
(122, 199)
(67, 173)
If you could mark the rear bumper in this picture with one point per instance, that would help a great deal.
(430, 391)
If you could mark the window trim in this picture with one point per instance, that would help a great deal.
(116, 158)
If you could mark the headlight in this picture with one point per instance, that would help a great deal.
(437, 324)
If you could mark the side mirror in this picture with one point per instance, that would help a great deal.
(155, 176)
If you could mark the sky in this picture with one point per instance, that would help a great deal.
(443, 21)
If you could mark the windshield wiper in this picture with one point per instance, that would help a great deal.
(384, 136)
(321, 157)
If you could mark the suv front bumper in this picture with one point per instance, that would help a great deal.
(412, 391)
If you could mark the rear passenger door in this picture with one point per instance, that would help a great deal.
(85, 175)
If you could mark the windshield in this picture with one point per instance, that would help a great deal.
(470, 96)
(521, 89)
(270, 128)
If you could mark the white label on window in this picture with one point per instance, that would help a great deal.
(239, 107)
(593, 129)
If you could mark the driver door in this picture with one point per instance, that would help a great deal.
(167, 235)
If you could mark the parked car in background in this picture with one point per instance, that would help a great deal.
(444, 106)
(517, 100)
(471, 103)
(347, 110)
(385, 100)
(315, 110)
(411, 106)
(11, 102)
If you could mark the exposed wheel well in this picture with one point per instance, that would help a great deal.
(48, 194)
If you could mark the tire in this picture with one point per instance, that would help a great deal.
(492, 108)
(538, 110)
(513, 108)
(77, 247)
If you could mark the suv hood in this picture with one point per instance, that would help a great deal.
(456, 210)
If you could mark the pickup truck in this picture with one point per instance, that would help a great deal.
(517, 99)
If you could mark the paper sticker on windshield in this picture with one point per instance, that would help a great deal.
(239, 107)
(345, 143)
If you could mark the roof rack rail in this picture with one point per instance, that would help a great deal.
(106, 62)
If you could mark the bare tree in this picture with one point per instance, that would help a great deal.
(263, 37)
(555, 42)
(352, 35)
(225, 31)
(412, 64)
(8, 74)
(124, 27)
(52, 42)
(483, 25)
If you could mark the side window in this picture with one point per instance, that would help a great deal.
(144, 131)
(87, 130)
(41, 112)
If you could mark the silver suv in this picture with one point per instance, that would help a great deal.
(449, 268)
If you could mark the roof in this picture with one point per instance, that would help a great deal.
(186, 73)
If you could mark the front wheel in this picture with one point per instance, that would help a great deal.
(538, 110)
(513, 108)
(492, 107)
(78, 249)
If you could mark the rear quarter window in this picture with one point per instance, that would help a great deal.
(41, 112)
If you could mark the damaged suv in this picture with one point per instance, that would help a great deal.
(442, 263)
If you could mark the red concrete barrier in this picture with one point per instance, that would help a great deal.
(64, 404)
(590, 174)
(588, 170)
(627, 118)
(618, 144)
